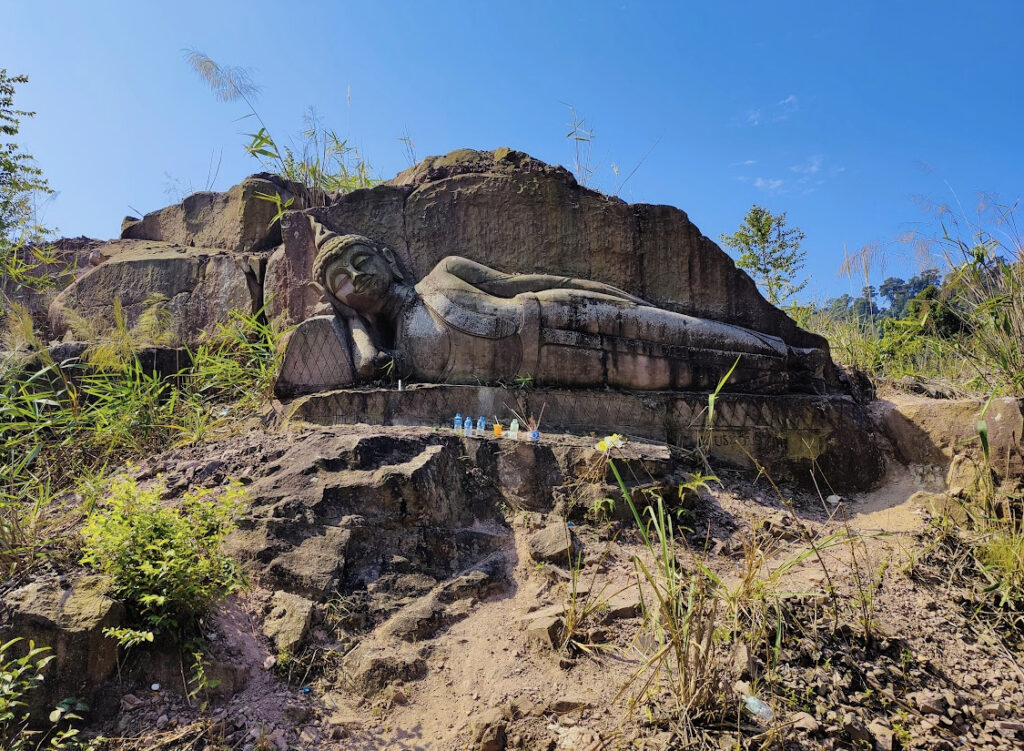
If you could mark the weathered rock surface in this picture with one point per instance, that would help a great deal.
(198, 288)
(236, 220)
(547, 631)
(446, 604)
(556, 543)
(69, 618)
(332, 511)
(790, 436)
(934, 431)
(288, 621)
(509, 211)
(371, 666)
(72, 256)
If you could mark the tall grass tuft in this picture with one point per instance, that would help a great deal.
(62, 424)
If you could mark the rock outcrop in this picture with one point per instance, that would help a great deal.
(68, 618)
(509, 211)
(193, 289)
(798, 437)
(238, 220)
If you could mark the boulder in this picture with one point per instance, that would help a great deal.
(237, 220)
(71, 256)
(69, 618)
(371, 668)
(489, 730)
(288, 621)
(556, 543)
(547, 631)
(196, 289)
(512, 212)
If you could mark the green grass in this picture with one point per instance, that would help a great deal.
(63, 425)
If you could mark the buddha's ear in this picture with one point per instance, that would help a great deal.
(390, 258)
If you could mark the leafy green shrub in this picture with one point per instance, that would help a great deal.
(166, 563)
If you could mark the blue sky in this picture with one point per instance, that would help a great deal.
(841, 114)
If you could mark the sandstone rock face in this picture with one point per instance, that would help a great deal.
(73, 256)
(69, 619)
(237, 219)
(514, 213)
(199, 288)
(934, 431)
(333, 512)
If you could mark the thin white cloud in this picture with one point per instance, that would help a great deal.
(773, 113)
(810, 166)
(769, 185)
(744, 163)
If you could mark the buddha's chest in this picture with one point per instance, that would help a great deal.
(441, 353)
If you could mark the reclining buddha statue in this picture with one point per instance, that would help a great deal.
(465, 323)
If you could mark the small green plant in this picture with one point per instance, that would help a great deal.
(19, 677)
(584, 602)
(166, 563)
(239, 363)
(705, 439)
(601, 509)
(128, 637)
(682, 609)
(200, 684)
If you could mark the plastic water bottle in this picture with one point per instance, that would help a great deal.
(467, 427)
(481, 426)
(513, 430)
(758, 708)
(458, 422)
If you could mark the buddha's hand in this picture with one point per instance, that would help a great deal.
(343, 311)
(386, 363)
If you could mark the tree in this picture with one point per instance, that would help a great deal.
(19, 177)
(20, 182)
(770, 253)
(899, 293)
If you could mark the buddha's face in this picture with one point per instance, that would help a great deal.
(359, 278)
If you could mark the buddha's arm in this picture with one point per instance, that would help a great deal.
(501, 284)
(370, 359)
(364, 349)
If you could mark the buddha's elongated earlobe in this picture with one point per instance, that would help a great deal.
(389, 256)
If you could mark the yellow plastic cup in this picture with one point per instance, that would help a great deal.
(497, 430)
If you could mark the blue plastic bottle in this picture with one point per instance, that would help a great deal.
(467, 427)
(458, 422)
(481, 426)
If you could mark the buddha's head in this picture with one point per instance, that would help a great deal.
(354, 270)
